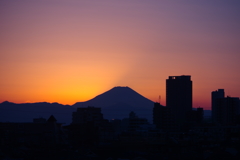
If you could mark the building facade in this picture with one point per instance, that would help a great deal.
(162, 117)
(226, 111)
(179, 97)
(215, 95)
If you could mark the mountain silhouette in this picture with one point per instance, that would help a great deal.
(26, 112)
(118, 102)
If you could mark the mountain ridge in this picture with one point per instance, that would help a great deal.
(117, 102)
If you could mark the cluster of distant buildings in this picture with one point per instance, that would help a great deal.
(179, 114)
(175, 118)
(176, 122)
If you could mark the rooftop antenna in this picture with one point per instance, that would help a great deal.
(159, 99)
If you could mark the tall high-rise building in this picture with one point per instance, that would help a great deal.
(215, 95)
(179, 96)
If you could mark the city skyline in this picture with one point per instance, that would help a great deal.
(71, 51)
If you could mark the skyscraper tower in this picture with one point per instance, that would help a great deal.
(179, 96)
(216, 95)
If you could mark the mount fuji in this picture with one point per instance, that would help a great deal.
(118, 102)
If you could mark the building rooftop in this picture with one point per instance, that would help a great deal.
(188, 77)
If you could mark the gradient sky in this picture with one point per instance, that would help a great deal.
(68, 51)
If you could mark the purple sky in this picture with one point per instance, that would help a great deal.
(73, 50)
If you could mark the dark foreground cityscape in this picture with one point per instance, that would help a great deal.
(177, 131)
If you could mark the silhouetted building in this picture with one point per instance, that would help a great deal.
(44, 134)
(215, 95)
(179, 97)
(89, 114)
(51, 119)
(226, 111)
(135, 123)
(88, 127)
(162, 117)
(196, 116)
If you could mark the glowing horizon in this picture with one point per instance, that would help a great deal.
(71, 51)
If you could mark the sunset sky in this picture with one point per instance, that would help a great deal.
(69, 51)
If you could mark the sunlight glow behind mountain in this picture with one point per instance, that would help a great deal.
(70, 51)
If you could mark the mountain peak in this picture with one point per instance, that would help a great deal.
(122, 94)
(121, 87)
(118, 102)
(6, 103)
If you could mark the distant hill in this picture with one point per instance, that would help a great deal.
(25, 112)
(118, 102)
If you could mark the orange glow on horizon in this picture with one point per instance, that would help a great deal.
(74, 52)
